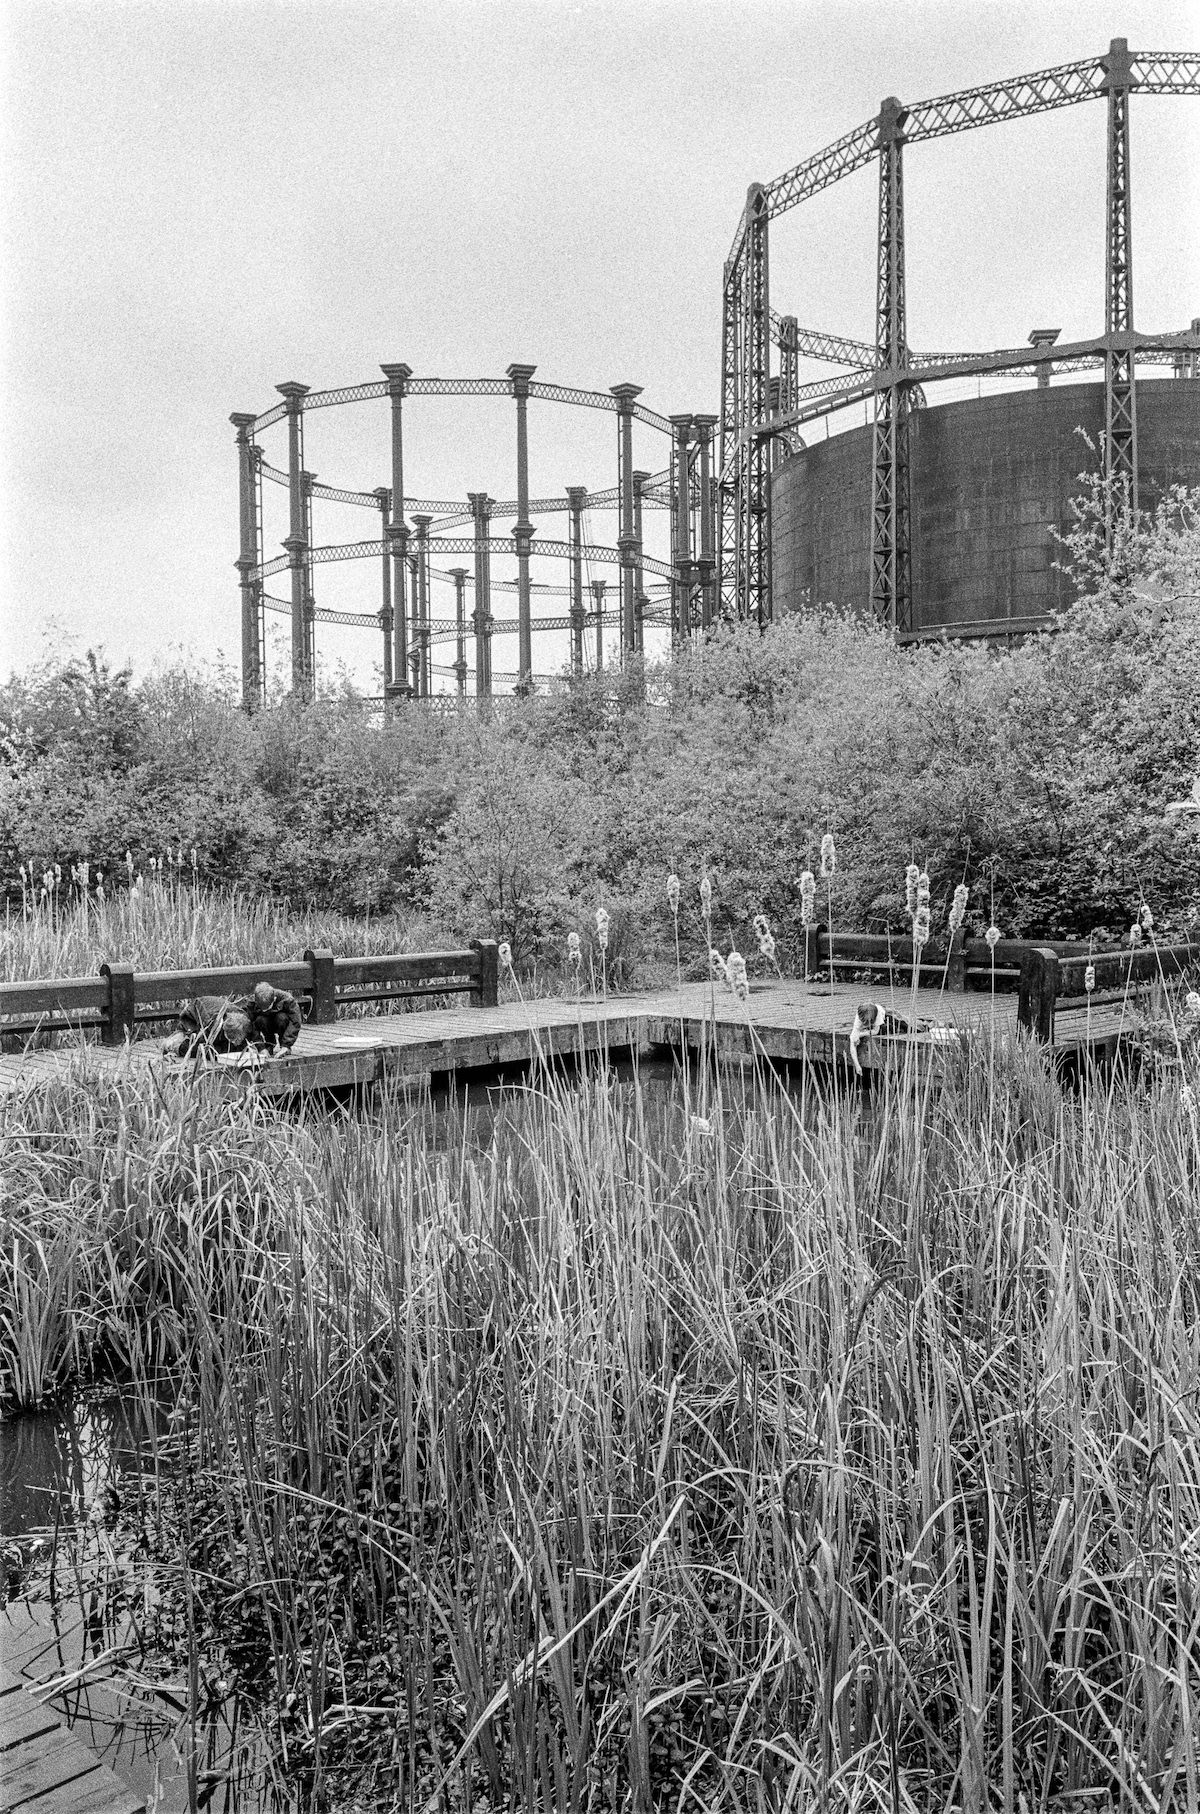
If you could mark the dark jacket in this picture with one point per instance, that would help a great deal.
(200, 1027)
(276, 1024)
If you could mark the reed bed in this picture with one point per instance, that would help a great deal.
(809, 1452)
(176, 924)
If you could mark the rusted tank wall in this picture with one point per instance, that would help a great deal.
(990, 477)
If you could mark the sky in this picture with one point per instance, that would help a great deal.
(204, 198)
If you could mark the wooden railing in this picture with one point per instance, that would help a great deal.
(960, 964)
(121, 999)
(1051, 980)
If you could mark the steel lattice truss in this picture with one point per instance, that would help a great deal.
(463, 387)
(356, 551)
(887, 371)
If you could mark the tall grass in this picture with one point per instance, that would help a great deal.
(175, 926)
(825, 1454)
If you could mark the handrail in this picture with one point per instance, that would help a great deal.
(1050, 979)
(122, 999)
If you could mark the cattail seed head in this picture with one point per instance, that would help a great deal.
(921, 926)
(574, 949)
(958, 911)
(1135, 935)
(922, 890)
(1147, 918)
(716, 966)
(504, 953)
(602, 928)
(1089, 978)
(910, 889)
(1191, 1005)
(828, 854)
(992, 935)
(808, 894)
(705, 894)
(673, 892)
(735, 971)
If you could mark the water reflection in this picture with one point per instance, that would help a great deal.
(69, 1622)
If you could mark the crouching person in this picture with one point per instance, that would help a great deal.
(209, 1026)
(274, 1019)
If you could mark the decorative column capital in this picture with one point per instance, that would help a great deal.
(683, 429)
(293, 395)
(296, 545)
(889, 126)
(397, 377)
(639, 481)
(577, 496)
(480, 504)
(398, 536)
(383, 496)
(519, 376)
(422, 527)
(523, 534)
(246, 569)
(704, 426)
(625, 395)
(308, 480)
(243, 422)
(458, 575)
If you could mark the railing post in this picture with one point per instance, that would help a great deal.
(120, 1014)
(324, 995)
(1038, 992)
(486, 992)
(810, 959)
(956, 963)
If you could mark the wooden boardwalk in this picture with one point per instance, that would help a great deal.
(788, 1021)
(45, 1769)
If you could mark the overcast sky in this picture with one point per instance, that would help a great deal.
(202, 199)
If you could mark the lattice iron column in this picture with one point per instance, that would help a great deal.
(384, 499)
(1120, 377)
(754, 504)
(250, 587)
(519, 376)
(420, 638)
(626, 538)
(789, 362)
(599, 587)
(703, 426)
(729, 452)
(640, 601)
(682, 538)
(576, 500)
(459, 576)
(296, 541)
(397, 530)
(481, 511)
(891, 584)
(310, 602)
(414, 622)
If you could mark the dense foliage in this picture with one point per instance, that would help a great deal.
(1037, 774)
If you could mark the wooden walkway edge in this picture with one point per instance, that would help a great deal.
(45, 1769)
(788, 1021)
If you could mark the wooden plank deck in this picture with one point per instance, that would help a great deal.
(789, 1021)
(45, 1768)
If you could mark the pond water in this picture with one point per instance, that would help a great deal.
(66, 1620)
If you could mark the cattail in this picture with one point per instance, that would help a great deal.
(922, 890)
(716, 967)
(735, 971)
(700, 1125)
(828, 854)
(808, 895)
(910, 889)
(958, 911)
(1191, 1005)
(1135, 935)
(504, 953)
(1089, 978)
(1147, 918)
(57, 873)
(992, 935)
(921, 926)
(673, 892)
(193, 857)
(129, 863)
(766, 938)
(705, 895)
(574, 949)
(602, 928)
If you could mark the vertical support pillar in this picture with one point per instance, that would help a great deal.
(421, 608)
(296, 541)
(640, 601)
(789, 363)
(481, 510)
(247, 562)
(891, 600)
(703, 427)
(682, 540)
(754, 538)
(384, 499)
(599, 587)
(626, 538)
(459, 576)
(730, 455)
(576, 499)
(397, 530)
(414, 622)
(1120, 379)
(519, 376)
(310, 603)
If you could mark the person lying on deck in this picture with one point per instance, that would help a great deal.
(274, 1018)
